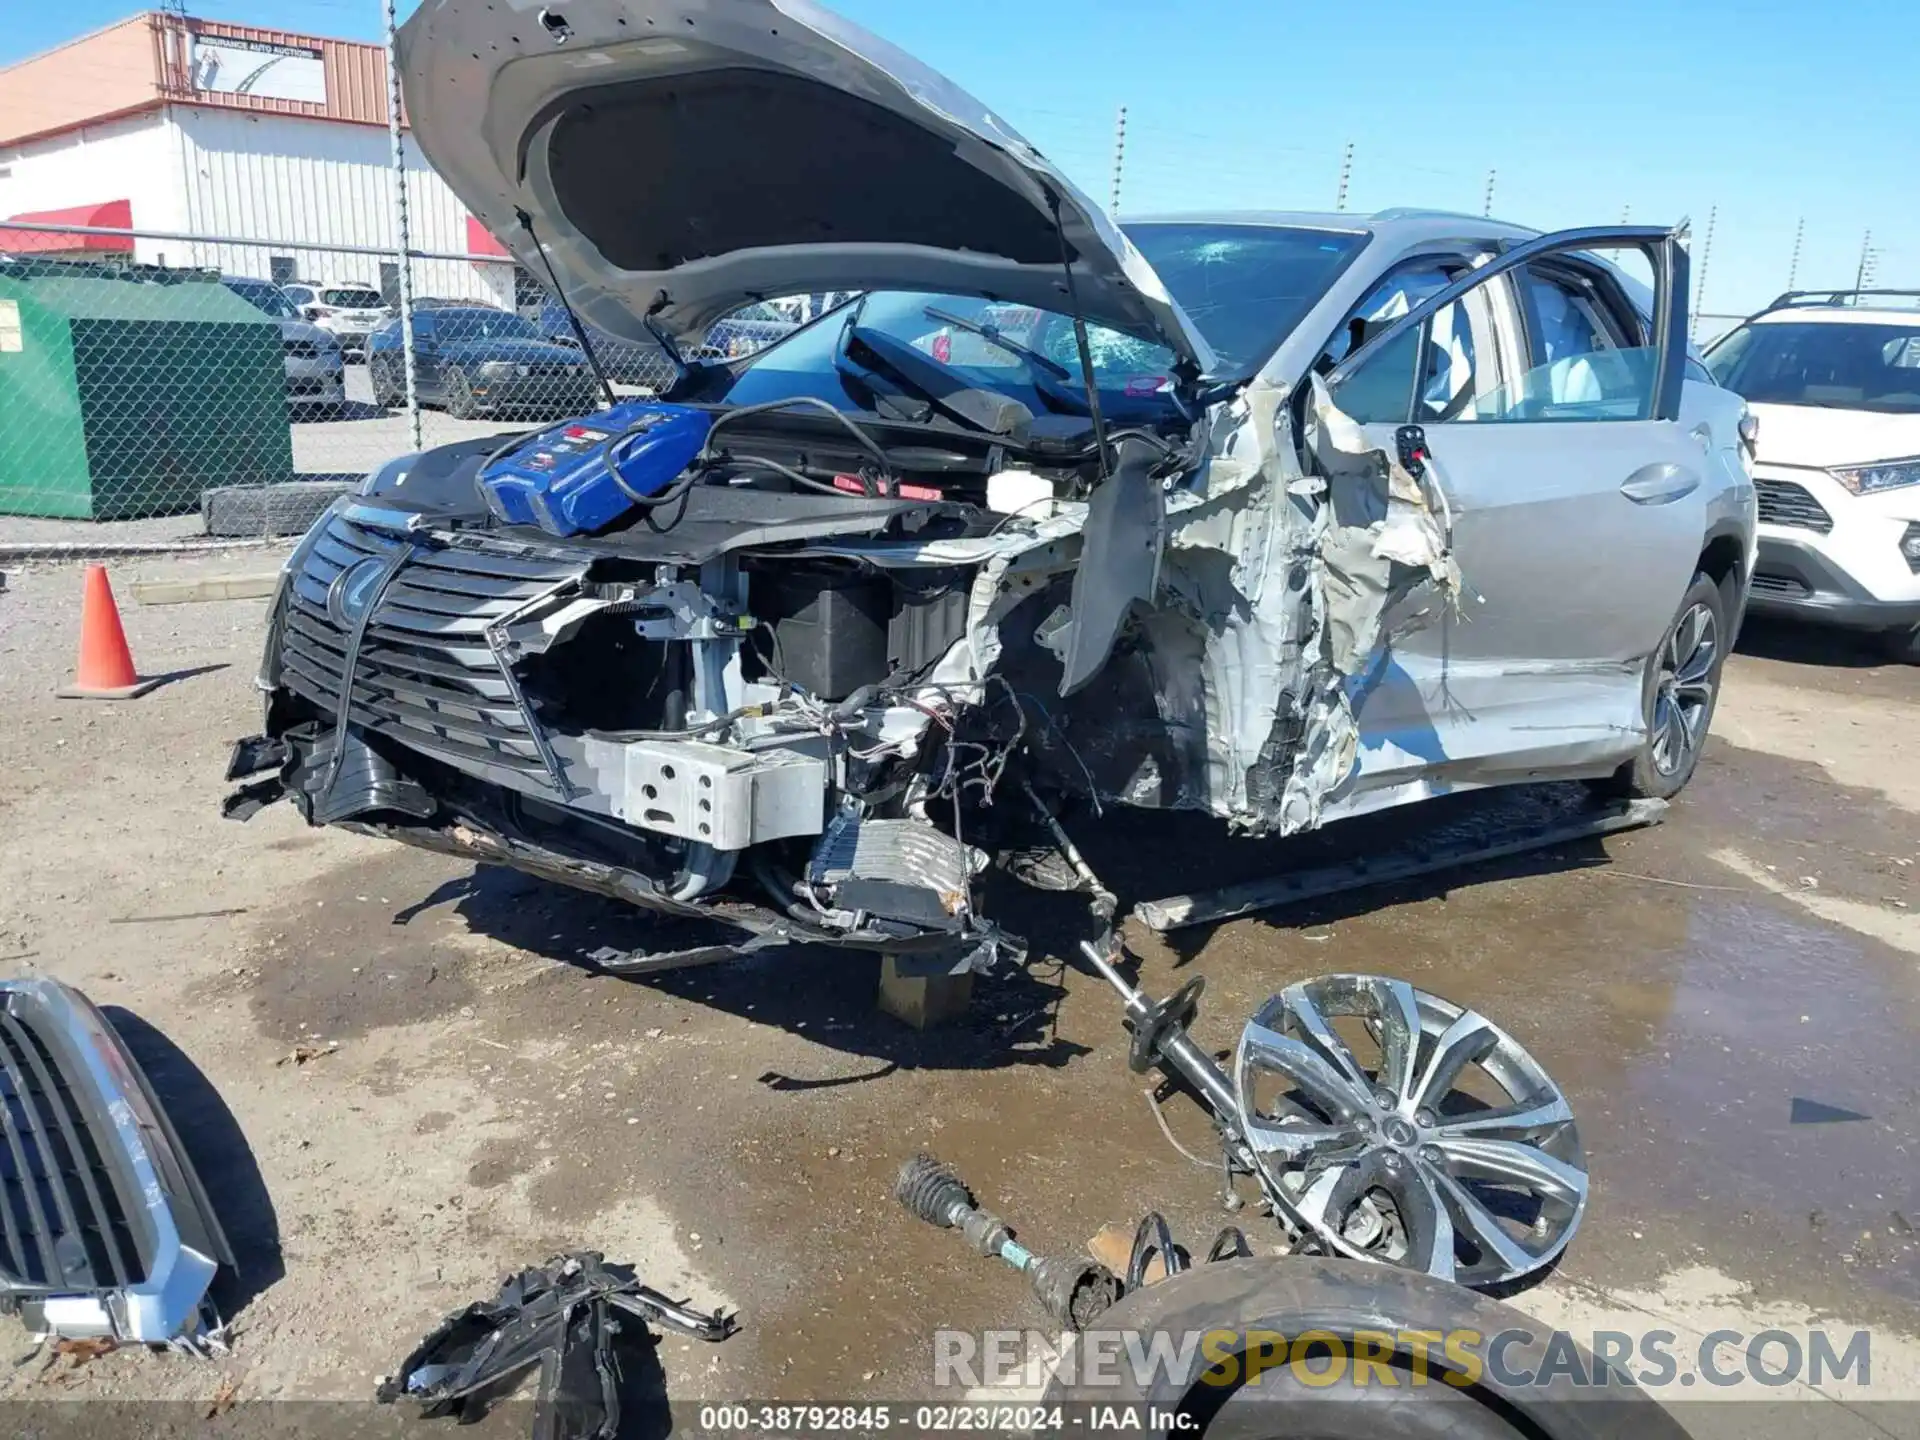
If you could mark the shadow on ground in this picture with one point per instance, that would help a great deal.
(219, 1154)
(1799, 644)
(828, 994)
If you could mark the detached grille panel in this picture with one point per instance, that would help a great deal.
(62, 1222)
(426, 676)
(1784, 503)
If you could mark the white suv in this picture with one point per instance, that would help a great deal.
(1833, 377)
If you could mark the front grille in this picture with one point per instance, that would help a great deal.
(1786, 587)
(426, 676)
(301, 349)
(62, 1224)
(1784, 503)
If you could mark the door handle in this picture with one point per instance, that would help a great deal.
(1660, 483)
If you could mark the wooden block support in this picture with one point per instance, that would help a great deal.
(923, 1001)
(206, 587)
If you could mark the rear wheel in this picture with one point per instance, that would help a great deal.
(386, 394)
(1678, 691)
(460, 402)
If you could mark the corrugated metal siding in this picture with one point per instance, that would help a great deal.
(135, 158)
(145, 60)
(356, 73)
(282, 177)
(107, 73)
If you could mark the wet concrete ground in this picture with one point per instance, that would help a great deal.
(482, 1099)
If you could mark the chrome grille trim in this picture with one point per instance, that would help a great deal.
(426, 674)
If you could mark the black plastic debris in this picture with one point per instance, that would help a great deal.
(572, 1320)
(1817, 1112)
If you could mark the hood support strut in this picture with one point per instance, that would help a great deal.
(579, 332)
(1080, 338)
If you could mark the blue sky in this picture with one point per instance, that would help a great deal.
(1764, 110)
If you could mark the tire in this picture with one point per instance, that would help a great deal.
(1676, 737)
(1291, 1296)
(1902, 646)
(386, 396)
(460, 401)
(289, 508)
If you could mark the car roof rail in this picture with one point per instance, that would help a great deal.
(1799, 299)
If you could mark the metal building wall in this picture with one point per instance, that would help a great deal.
(323, 183)
(136, 159)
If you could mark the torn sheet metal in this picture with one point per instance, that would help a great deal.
(105, 1230)
(570, 1320)
(1386, 530)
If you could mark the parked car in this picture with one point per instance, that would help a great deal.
(474, 359)
(315, 371)
(625, 362)
(743, 331)
(1369, 509)
(349, 311)
(1833, 377)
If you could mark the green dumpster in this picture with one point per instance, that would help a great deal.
(126, 391)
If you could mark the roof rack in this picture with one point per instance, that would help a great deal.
(1795, 299)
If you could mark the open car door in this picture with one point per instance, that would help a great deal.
(1540, 397)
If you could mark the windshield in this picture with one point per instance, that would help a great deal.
(1026, 354)
(1244, 286)
(482, 325)
(264, 296)
(1852, 365)
(353, 299)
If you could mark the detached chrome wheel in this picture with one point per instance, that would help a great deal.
(1683, 694)
(1388, 1124)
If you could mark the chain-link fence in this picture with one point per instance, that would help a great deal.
(233, 388)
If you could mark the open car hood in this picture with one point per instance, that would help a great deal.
(690, 156)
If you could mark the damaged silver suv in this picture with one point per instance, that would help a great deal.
(1282, 518)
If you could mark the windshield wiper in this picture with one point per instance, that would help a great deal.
(993, 336)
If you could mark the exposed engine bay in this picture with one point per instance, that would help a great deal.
(785, 684)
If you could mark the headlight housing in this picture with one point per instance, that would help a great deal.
(1882, 475)
(497, 367)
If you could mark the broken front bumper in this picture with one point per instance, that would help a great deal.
(105, 1229)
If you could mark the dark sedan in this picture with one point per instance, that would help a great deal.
(627, 362)
(475, 360)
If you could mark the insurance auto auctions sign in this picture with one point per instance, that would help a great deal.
(256, 67)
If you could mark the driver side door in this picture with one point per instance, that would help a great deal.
(1546, 405)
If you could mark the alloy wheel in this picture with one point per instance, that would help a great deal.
(1413, 1132)
(1683, 689)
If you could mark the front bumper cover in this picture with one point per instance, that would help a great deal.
(105, 1230)
(1793, 578)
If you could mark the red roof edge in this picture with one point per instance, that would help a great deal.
(480, 240)
(102, 215)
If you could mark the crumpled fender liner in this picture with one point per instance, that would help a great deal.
(1121, 545)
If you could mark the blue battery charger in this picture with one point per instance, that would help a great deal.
(559, 479)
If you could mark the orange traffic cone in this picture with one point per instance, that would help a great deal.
(106, 665)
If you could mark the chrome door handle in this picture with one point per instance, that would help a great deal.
(1660, 483)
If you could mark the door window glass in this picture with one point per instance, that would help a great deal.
(1579, 366)
(1430, 374)
(1393, 297)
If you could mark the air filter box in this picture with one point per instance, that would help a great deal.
(559, 479)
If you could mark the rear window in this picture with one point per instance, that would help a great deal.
(1856, 365)
(352, 299)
